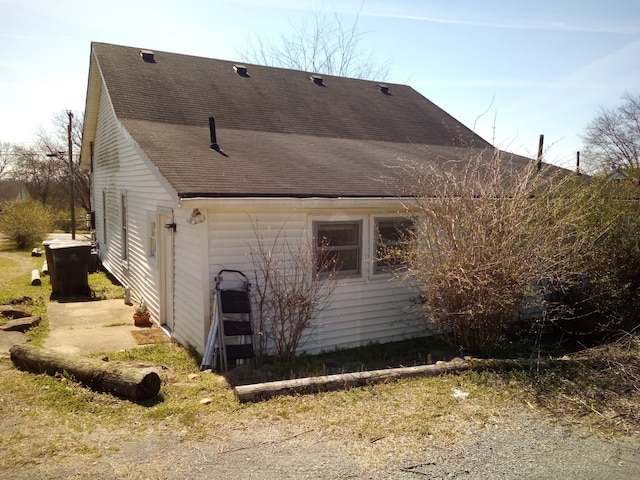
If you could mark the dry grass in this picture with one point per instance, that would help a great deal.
(379, 421)
(603, 388)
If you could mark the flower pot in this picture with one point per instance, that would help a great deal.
(142, 319)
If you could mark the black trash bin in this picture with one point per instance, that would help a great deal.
(55, 288)
(70, 267)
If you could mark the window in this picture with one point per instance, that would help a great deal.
(152, 238)
(104, 216)
(340, 245)
(391, 234)
(123, 206)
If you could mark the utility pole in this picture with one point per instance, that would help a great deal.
(540, 146)
(71, 182)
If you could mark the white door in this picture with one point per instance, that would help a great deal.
(166, 267)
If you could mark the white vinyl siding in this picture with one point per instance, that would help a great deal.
(364, 308)
(119, 168)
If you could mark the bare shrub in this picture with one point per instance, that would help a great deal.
(614, 285)
(294, 283)
(487, 232)
(604, 381)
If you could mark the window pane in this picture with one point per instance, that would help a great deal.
(344, 260)
(152, 239)
(391, 235)
(338, 247)
(339, 234)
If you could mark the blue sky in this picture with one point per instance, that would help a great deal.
(511, 70)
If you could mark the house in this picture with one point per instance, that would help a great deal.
(189, 154)
(11, 190)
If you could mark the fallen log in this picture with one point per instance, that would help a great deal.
(263, 391)
(119, 379)
(35, 277)
(15, 311)
(21, 324)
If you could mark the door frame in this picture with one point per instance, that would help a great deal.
(166, 267)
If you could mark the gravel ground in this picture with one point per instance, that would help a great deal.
(519, 445)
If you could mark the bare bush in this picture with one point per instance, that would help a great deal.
(491, 233)
(294, 283)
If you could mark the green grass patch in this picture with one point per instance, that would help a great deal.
(103, 288)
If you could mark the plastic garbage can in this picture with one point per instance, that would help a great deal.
(71, 267)
(55, 286)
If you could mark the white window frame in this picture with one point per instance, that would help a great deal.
(152, 236)
(124, 227)
(358, 272)
(104, 216)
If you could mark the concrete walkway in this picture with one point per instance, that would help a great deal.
(90, 327)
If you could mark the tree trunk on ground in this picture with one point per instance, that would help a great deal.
(35, 277)
(20, 324)
(122, 380)
(262, 391)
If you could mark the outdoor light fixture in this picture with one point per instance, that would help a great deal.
(196, 217)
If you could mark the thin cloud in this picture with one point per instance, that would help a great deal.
(539, 25)
(482, 83)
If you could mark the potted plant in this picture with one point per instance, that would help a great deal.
(142, 316)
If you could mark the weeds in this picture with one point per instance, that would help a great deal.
(604, 386)
(602, 391)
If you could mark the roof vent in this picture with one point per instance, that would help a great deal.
(384, 89)
(147, 56)
(212, 133)
(241, 70)
(317, 79)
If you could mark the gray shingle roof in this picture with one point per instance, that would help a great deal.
(279, 133)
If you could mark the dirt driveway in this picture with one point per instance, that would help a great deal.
(517, 444)
(532, 451)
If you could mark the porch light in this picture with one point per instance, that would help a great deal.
(196, 217)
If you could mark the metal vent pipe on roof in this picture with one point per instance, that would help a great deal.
(212, 132)
(540, 151)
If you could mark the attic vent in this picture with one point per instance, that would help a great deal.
(318, 80)
(147, 56)
(384, 89)
(241, 70)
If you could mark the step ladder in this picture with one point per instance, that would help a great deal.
(231, 333)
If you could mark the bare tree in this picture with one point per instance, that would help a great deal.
(612, 138)
(44, 175)
(326, 44)
(56, 142)
(6, 154)
(294, 283)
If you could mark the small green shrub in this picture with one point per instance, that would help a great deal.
(25, 223)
